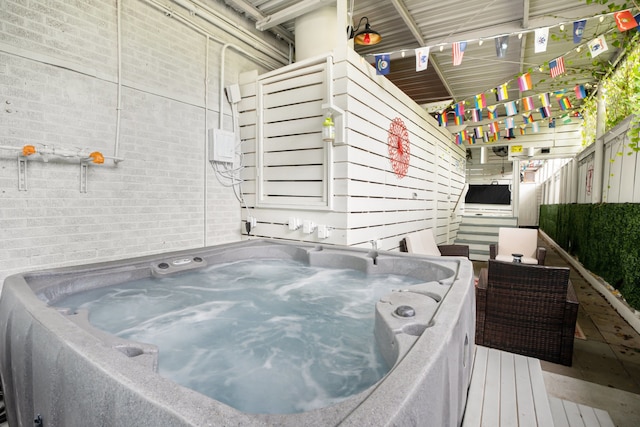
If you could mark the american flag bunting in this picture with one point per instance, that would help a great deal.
(556, 67)
(458, 52)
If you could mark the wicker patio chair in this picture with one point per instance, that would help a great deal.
(424, 243)
(523, 241)
(527, 309)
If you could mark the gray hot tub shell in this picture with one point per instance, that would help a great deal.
(70, 374)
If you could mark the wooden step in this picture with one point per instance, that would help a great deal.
(478, 256)
(478, 251)
(474, 245)
(479, 231)
(506, 390)
(500, 221)
(478, 228)
(478, 237)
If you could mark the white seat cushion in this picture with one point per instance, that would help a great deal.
(423, 243)
(517, 241)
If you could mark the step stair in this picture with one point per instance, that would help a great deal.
(508, 389)
(479, 231)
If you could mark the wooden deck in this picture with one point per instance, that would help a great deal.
(508, 390)
(570, 414)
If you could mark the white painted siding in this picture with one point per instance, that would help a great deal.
(292, 158)
(585, 177)
(366, 200)
(621, 180)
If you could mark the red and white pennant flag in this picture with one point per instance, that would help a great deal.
(556, 67)
(458, 52)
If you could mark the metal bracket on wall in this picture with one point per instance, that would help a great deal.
(22, 173)
(84, 172)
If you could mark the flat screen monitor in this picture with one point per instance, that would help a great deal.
(492, 194)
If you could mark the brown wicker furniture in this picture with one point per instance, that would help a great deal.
(523, 241)
(423, 243)
(527, 309)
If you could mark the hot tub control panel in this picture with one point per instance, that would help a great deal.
(176, 265)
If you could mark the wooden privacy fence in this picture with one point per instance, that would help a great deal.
(373, 185)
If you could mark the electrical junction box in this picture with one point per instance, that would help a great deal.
(233, 93)
(222, 145)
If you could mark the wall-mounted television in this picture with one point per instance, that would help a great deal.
(489, 194)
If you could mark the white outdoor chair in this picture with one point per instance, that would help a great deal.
(519, 241)
(424, 243)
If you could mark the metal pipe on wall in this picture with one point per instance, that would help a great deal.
(116, 148)
(225, 45)
(220, 21)
(598, 160)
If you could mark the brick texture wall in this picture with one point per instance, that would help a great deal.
(58, 88)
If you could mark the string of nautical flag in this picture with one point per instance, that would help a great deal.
(624, 20)
(527, 103)
(493, 131)
(531, 107)
(490, 132)
(540, 103)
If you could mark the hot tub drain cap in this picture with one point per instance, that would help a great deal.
(405, 311)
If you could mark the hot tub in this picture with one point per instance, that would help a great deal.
(59, 369)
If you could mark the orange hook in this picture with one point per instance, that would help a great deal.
(28, 150)
(97, 157)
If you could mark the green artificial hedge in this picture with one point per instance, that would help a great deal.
(604, 238)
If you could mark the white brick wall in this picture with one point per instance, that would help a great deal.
(58, 69)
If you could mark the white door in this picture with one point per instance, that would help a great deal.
(528, 205)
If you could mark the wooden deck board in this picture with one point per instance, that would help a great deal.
(506, 390)
(604, 418)
(540, 396)
(570, 414)
(526, 408)
(491, 404)
(557, 410)
(508, 401)
(475, 396)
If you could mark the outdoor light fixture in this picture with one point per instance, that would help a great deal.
(367, 36)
